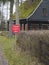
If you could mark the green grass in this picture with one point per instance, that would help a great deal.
(15, 57)
(14, 54)
(7, 44)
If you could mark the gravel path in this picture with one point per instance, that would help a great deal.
(3, 60)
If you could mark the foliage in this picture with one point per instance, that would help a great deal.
(30, 41)
(25, 9)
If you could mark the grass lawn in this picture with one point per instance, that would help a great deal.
(14, 56)
(7, 44)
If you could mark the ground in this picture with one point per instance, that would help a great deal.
(3, 60)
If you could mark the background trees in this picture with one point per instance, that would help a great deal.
(11, 12)
(30, 2)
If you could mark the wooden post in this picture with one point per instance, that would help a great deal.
(26, 26)
(22, 26)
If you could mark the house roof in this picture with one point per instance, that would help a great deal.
(35, 9)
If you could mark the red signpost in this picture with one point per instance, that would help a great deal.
(15, 28)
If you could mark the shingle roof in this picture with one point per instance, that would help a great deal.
(35, 9)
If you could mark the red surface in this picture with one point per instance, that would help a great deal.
(15, 28)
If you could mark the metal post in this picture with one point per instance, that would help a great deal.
(17, 11)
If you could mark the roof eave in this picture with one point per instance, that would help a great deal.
(35, 9)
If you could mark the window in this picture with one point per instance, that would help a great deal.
(44, 12)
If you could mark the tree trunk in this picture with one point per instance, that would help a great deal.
(2, 17)
(10, 22)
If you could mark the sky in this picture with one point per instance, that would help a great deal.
(7, 12)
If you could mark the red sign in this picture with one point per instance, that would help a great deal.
(16, 28)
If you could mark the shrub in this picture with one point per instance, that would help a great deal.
(30, 41)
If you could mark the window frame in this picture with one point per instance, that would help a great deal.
(44, 11)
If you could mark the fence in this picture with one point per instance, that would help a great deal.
(44, 52)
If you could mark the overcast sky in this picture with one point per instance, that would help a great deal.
(6, 11)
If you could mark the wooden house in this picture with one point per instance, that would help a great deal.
(39, 19)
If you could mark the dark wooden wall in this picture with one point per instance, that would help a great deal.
(32, 25)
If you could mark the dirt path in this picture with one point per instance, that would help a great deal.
(3, 60)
